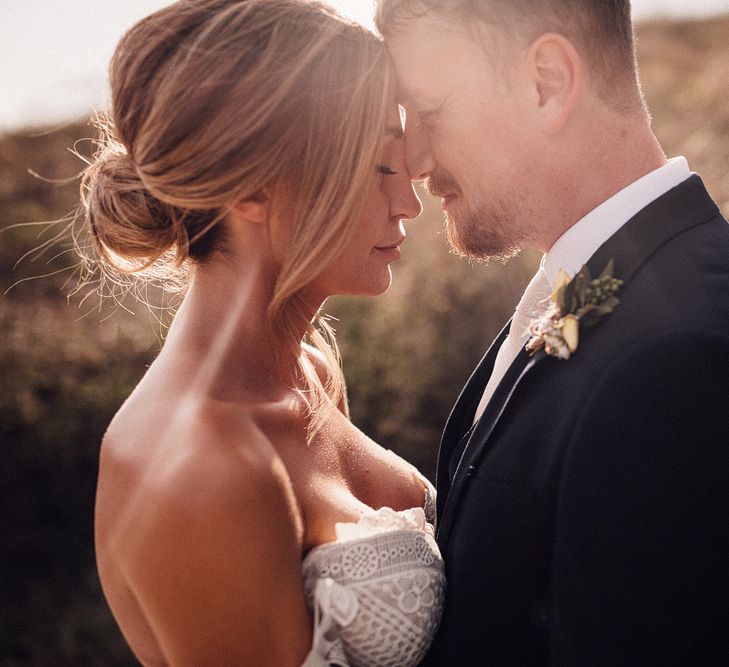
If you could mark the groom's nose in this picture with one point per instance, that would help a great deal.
(418, 158)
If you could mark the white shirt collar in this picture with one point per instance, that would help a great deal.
(575, 247)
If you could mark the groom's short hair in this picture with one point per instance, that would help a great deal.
(601, 29)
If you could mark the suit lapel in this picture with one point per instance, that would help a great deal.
(478, 438)
(683, 207)
(460, 420)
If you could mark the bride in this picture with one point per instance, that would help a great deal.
(241, 518)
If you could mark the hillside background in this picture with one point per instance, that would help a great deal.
(66, 367)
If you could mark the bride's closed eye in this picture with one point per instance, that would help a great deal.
(385, 170)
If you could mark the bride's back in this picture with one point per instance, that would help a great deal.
(191, 483)
(191, 496)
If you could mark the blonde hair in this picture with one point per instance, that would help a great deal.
(214, 100)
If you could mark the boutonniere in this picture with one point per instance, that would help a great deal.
(578, 302)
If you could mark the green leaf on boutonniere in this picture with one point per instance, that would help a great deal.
(580, 301)
(608, 270)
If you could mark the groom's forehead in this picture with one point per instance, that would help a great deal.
(414, 69)
(421, 73)
(426, 42)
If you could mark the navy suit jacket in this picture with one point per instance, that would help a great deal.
(584, 520)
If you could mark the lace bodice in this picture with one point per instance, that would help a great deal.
(377, 591)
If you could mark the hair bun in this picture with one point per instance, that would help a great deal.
(123, 215)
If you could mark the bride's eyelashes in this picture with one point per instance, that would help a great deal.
(385, 170)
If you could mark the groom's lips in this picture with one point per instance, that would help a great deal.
(447, 200)
(447, 197)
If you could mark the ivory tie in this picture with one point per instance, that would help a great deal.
(531, 305)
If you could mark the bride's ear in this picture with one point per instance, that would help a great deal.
(255, 208)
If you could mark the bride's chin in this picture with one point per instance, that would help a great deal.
(359, 281)
(374, 287)
(382, 285)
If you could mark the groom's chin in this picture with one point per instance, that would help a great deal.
(473, 240)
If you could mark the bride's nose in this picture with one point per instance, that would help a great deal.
(404, 203)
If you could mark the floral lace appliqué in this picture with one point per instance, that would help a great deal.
(376, 592)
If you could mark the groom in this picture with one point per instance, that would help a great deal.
(583, 489)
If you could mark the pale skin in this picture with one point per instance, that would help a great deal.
(517, 128)
(208, 494)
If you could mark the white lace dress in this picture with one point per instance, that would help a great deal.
(377, 591)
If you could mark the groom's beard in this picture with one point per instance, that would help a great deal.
(478, 230)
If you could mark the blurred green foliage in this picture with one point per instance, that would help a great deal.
(66, 369)
(62, 380)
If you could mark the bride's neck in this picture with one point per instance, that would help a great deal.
(222, 325)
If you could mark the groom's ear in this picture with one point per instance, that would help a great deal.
(555, 72)
(255, 208)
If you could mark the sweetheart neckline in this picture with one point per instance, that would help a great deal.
(382, 511)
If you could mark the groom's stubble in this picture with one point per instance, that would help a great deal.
(483, 230)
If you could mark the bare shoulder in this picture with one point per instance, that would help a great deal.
(224, 450)
(211, 529)
(209, 456)
(223, 479)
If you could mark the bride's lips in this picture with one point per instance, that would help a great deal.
(392, 250)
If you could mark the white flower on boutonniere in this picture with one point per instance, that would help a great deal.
(578, 302)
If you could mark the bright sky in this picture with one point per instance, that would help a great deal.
(54, 53)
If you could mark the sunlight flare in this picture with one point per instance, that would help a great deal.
(361, 11)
